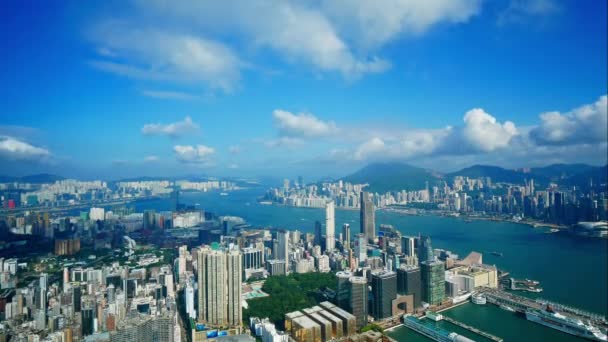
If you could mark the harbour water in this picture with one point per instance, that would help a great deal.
(572, 270)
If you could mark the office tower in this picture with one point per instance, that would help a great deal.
(343, 289)
(384, 291)
(408, 246)
(87, 317)
(358, 300)
(432, 275)
(219, 287)
(409, 283)
(181, 263)
(425, 250)
(149, 219)
(318, 235)
(253, 258)
(282, 252)
(330, 226)
(76, 298)
(367, 216)
(361, 247)
(346, 235)
(175, 198)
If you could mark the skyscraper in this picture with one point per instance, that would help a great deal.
(367, 216)
(409, 283)
(407, 246)
(219, 287)
(433, 281)
(330, 226)
(343, 289)
(361, 247)
(346, 235)
(282, 252)
(425, 250)
(318, 234)
(358, 300)
(384, 291)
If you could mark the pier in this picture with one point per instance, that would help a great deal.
(473, 329)
(521, 304)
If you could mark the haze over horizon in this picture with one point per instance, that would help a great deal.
(318, 88)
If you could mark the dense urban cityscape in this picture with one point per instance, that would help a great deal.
(304, 171)
(112, 274)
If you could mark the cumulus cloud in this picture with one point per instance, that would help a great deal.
(15, 149)
(484, 133)
(176, 129)
(302, 124)
(370, 148)
(584, 125)
(199, 154)
(152, 54)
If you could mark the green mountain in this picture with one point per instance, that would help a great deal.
(557, 172)
(596, 174)
(393, 176)
(497, 174)
(36, 179)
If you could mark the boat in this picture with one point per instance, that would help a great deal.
(573, 326)
(461, 298)
(496, 253)
(506, 307)
(478, 299)
(223, 194)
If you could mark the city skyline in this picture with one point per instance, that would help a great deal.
(441, 85)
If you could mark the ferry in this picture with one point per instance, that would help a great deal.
(550, 318)
(508, 308)
(223, 194)
(461, 298)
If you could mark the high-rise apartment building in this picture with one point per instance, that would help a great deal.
(219, 287)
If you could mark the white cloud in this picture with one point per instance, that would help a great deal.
(175, 129)
(15, 149)
(150, 159)
(302, 124)
(370, 149)
(483, 133)
(199, 154)
(371, 24)
(520, 10)
(339, 36)
(584, 125)
(152, 54)
(169, 95)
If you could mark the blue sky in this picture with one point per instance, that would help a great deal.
(319, 88)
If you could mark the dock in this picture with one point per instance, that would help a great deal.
(521, 304)
(473, 329)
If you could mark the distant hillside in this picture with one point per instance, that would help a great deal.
(557, 172)
(383, 177)
(36, 179)
(497, 174)
(597, 174)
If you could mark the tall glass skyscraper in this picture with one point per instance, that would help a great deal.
(425, 250)
(433, 281)
(367, 216)
(330, 226)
